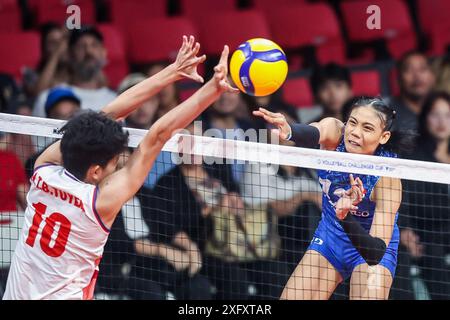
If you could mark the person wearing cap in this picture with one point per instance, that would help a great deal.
(87, 58)
(61, 104)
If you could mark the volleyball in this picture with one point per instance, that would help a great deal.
(258, 67)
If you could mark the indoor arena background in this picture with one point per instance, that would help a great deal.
(333, 55)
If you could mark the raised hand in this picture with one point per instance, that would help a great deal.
(221, 73)
(277, 119)
(187, 61)
(350, 198)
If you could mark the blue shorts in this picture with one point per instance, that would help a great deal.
(337, 248)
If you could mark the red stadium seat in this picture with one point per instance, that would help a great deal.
(231, 28)
(117, 67)
(55, 10)
(125, 12)
(308, 25)
(393, 82)
(269, 4)
(157, 39)
(21, 49)
(195, 8)
(433, 17)
(366, 83)
(396, 25)
(296, 91)
(10, 17)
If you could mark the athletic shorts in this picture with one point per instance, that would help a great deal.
(337, 248)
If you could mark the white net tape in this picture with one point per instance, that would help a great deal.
(258, 152)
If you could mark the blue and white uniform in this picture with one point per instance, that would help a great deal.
(330, 239)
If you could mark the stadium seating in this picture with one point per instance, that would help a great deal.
(21, 49)
(434, 21)
(123, 13)
(296, 91)
(55, 10)
(117, 67)
(366, 83)
(230, 28)
(10, 16)
(302, 25)
(195, 8)
(268, 4)
(157, 39)
(396, 26)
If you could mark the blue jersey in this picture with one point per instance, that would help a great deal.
(330, 239)
(334, 183)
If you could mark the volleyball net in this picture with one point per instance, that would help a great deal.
(227, 219)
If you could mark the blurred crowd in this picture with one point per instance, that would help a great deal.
(234, 230)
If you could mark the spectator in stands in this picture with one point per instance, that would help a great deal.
(154, 268)
(169, 97)
(53, 67)
(441, 68)
(8, 91)
(332, 88)
(427, 232)
(87, 56)
(143, 118)
(416, 80)
(220, 121)
(13, 190)
(62, 104)
(20, 144)
(239, 244)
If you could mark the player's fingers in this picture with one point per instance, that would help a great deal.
(258, 113)
(224, 55)
(202, 58)
(272, 114)
(191, 42)
(361, 186)
(279, 121)
(184, 45)
(198, 78)
(196, 49)
(232, 89)
(352, 180)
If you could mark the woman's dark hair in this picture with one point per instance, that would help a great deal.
(329, 72)
(91, 138)
(401, 141)
(425, 139)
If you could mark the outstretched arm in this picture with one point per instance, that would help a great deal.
(117, 188)
(185, 65)
(326, 132)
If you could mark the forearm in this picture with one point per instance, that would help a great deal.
(182, 240)
(286, 207)
(147, 248)
(47, 74)
(185, 113)
(132, 98)
(372, 249)
(305, 135)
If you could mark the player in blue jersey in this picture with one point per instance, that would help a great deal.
(358, 235)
